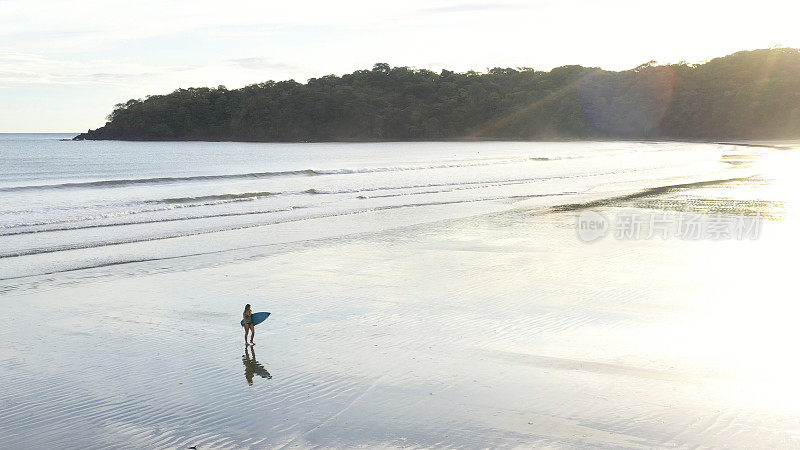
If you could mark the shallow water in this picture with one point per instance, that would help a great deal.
(470, 324)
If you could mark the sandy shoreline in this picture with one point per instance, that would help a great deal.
(500, 330)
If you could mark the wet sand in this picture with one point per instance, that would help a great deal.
(500, 330)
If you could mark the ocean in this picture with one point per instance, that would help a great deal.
(437, 294)
(72, 205)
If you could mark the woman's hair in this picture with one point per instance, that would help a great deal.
(246, 307)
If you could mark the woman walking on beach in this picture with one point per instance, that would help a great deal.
(248, 325)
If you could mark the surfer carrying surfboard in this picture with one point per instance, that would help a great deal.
(248, 325)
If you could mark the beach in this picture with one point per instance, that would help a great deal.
(467, 312)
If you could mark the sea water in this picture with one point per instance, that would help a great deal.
(422, 295)
(68, 205)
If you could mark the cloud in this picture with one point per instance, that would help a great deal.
(250, 31)
(120, 76)
(263, 63)
(474, 7)
(24, 68)
(138, 79)
(81, 25)
(10, 74)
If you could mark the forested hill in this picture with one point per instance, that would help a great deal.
(752, 94)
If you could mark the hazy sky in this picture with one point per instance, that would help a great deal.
(64, 64)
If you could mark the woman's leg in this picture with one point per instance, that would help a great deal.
(246, 330)
(252, 334)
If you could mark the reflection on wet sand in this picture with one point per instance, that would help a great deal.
(252, 366)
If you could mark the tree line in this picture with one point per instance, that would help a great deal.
(746, 95)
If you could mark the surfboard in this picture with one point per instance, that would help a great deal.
(258, 318)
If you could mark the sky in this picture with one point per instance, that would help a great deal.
(64, 65)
